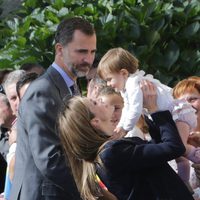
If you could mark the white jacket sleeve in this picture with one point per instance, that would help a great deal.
(133, 104)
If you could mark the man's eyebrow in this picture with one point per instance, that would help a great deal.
(85, 50)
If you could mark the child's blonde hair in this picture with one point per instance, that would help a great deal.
(116, 59)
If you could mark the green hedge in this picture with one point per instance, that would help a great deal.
(164, 35)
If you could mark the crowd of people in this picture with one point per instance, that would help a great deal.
(130, 138)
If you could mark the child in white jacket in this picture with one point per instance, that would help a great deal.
(119, 68)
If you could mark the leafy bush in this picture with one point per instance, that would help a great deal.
(163, 34)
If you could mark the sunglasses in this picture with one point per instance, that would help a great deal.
(2, 90)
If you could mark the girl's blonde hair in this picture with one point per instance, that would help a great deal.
(81, 143)
(186, 85)
(116, 59)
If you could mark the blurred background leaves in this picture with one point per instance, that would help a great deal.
(163, 34)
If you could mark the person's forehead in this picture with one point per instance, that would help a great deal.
(2, 103)
(112, 99)
(23, 89)
(194, 93)
(116, 99)
(10, 88)
(83, 39)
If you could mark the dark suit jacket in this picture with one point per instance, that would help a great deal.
(3, 166)
(4, 147)
(40, 170)
(135, 170)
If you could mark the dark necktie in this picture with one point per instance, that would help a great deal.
(75, 90)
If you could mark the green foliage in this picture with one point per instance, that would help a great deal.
(163, 34)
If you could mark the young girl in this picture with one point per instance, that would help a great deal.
(111, 97)
(119, 69)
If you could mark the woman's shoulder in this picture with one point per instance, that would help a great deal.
(117, 153)
(124, 140)
(117, 147)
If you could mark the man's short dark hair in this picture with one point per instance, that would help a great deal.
(29, 67)
(67, 27)
(27, 78)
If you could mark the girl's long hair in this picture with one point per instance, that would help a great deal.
(81, 143)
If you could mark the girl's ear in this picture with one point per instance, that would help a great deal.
(124, 72)
(95, 122)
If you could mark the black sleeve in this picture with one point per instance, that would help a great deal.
(137, 154)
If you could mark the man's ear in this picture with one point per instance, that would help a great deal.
(124, 72)
(95, 122)
(58, 49)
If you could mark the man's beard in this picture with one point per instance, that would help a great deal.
(76, 71)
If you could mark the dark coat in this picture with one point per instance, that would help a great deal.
(3, 166)
(4, 147)
(138, 170)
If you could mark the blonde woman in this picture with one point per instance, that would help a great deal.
(131, 168)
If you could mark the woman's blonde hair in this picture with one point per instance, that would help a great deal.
(186, 85)
(116, 59)
(81, 143)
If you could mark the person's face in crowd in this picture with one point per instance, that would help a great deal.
(11, 94)
(194, 99)
(116, 80)
(6, 115)
(21, 93)
(23, 90)
(12, 134)
(92, 90)
(116, 101)
(103, 116)
(78, 55)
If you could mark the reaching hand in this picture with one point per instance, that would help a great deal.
(194, 139)
(149, 96)
(119, 132)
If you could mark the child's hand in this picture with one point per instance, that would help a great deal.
(119, 132)
(194, 139)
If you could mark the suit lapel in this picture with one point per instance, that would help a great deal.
(59, 83)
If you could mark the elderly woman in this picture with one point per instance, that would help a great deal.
(131, 168)
(189, 89)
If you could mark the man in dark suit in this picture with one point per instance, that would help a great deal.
(41, 172)
(6, 119)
